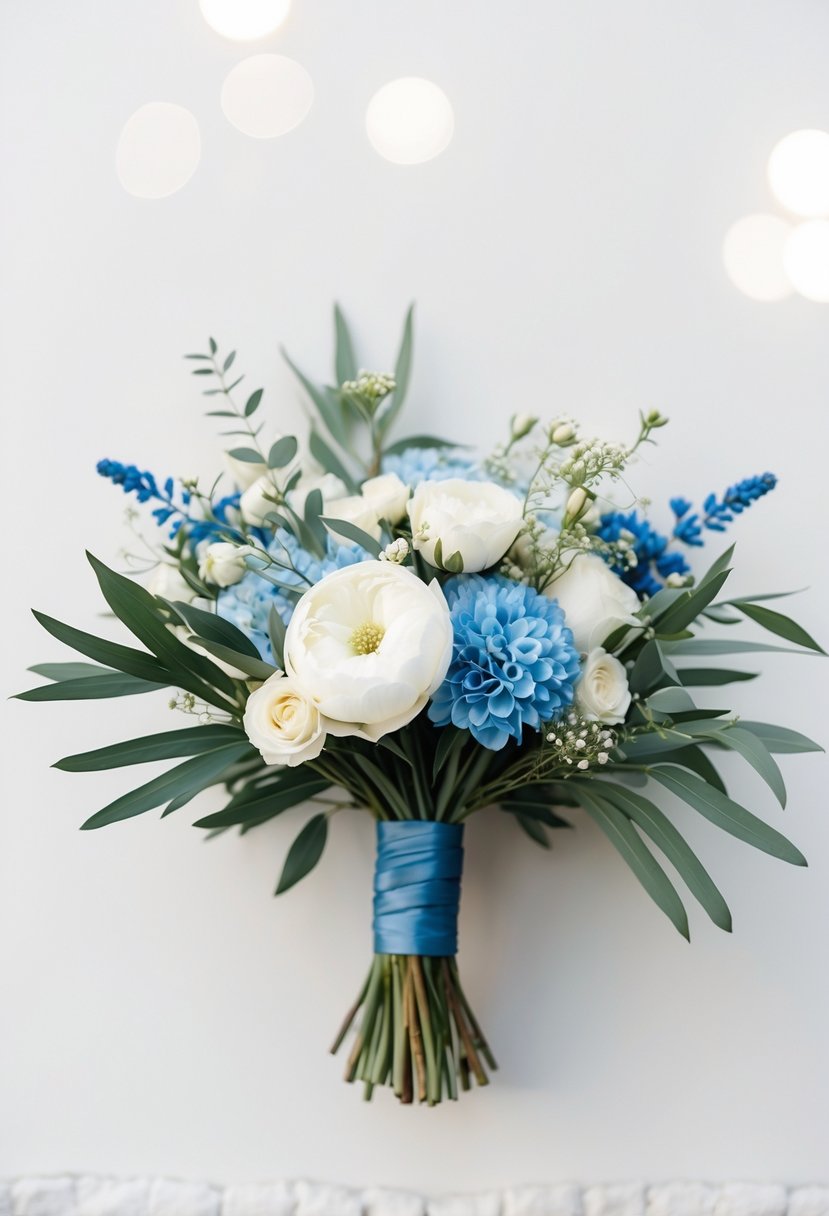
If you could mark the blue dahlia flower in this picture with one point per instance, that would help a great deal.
(247, 604)
(513, 661)
(431, 464)
(654, 560)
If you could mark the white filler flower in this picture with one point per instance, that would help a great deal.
(602, 693)
(477, 519)
(283, 723)
(369, 644)
(594, 599)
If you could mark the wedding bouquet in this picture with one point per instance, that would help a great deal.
(400, 626)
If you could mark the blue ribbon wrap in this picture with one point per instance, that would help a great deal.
(417, 887)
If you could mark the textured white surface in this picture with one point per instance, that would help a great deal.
(161, 1013)
(166, 1197)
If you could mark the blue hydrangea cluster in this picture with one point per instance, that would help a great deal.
(247, 604)
(513, 661)
(431, 464)
(718, 512)
(654, 560)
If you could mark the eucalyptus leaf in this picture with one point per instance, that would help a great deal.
(780, 739)
(344, 527)
(252, 403)
(327, 402)
(247, 455)
(778, 624)
(282, 452)
(276, 633)
(345, 363)
(420, 441)
(304, 853)
(331, 462)
(754, 751)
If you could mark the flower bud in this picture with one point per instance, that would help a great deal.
(563, 433)
(576, 505)
(521, 425)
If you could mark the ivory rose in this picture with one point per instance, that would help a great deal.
(477, 519)
(595, 600)
(283, 723)
(602, 693)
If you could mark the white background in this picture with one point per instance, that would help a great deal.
(160, 1012)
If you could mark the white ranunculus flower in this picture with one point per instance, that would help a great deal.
(328, 484)
(244, 472)
(602, 692)
(388, 496)
(594, 599)
(369, 644)
(224, 564)
(477, 519)
(258, 500)
(283, 723)
(166, 581)
(357, 510)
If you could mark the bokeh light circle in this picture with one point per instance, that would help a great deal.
(158, 150)
(267, 95)
(410, 121)
(753, 257)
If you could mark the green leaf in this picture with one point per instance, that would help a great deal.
(312, 514)
(191, 741)
(304, 853)
(633, 850)
(690, 604)
(718, 567)
(533, 829)
(139, 611)
(69, 671)
(778, 624)
(679, 853)
(228, 363)
(454, 563)
(671, 701)
(717, 646)
(450, 739)
(248, 455)
(537, 811)
(212, 345)
(90, 688)
(189, 777)
(256, 669)
(252, 403)
(276, 633)
(698, 762)
(266, 801)
(710, 677)
(420, 441)
(215, 628)
(327, 402)
(726, 813)
(650, 668)
(754, 752)
(402, 373)
(282, 452)
(123, 658)
(329, 460)
(345, 363)
(350, 531)
(780, 739)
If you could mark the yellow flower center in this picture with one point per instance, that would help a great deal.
(366, 638)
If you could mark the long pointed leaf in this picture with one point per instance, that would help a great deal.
(304, 853)
(726, 813)
(780, 739)
(675, 847)
(632, 848)
(193, 775)
(90, 688)
(330, 461)
(123, 658)
(754, 751)
(778, 624)
(191, 741)
(345, 363)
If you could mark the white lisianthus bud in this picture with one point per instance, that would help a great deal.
(576, 504)
(602, 692)
(258, 500)
(563, 433)
(477, 519)
(284, 723)
(369, 644)
(357, 510)
(387, 496)
(223, 563)
(521, 425)
(595, 601)
(168, 582)
(244, 472)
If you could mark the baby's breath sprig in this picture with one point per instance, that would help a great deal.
(575, 745)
